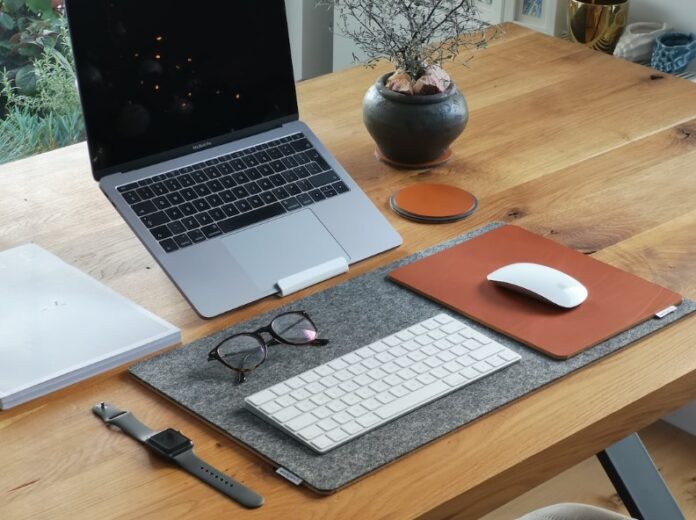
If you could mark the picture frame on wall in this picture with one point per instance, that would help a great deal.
(547, 16)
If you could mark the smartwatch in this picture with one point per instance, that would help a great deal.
(173, 446)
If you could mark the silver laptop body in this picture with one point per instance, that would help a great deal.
(283, 239)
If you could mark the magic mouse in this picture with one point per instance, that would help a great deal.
(541, 282)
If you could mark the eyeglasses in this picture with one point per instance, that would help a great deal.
(245, 351)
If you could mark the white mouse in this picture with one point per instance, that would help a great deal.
(541, 282)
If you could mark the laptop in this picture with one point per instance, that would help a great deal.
(194, 137)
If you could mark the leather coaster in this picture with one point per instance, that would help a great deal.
(433, 203)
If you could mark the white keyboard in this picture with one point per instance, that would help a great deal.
(364, 389)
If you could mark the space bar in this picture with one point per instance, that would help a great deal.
(408, 402)
(252, 217)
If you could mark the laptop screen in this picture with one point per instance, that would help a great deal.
(160, 79)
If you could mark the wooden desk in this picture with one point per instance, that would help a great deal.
(596, 153)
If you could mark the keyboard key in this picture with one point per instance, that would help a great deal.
(196, 236)
(143, 208)
(172, 185)
(131, 197)
(159, 189)
(280, 193)
(201, 190)
(316, 195)
(217, 214)
(204, 218)
(127, 187)
(265, 170)
(243, 206)
(485, 351)
(318, 159)
(305, 199)
(324, 178)
(182, 241)
(277, 180)
(291, 204)
(255, 201)
(169, 245)
(155, 219)
(161, 203)
(211, 231)
(230, 210)
(145, 193)
(252, 217)
(227, 196)
(174, 213)
(190, 223)
(253, 188)
(340, 187)
(250, 161)
(161, 232)
(240, 192)
(240, 177)
(189, 194)
(177, 227)
(301, 421)
(302, 172)
(310, 432)
(301, 145)
(262, 156)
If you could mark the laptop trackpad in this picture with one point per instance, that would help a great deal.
(283, 247)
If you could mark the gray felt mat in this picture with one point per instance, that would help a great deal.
(352, 315)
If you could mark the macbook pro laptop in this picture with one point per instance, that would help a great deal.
(194, 137)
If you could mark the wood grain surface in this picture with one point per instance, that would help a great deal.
(596, 153)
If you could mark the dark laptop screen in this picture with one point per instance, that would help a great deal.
(160, 78)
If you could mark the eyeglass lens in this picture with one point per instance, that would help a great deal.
(295, 328)
(243, 351)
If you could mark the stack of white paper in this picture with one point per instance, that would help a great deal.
(59, 326)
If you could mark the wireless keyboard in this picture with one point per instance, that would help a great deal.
(340, 400)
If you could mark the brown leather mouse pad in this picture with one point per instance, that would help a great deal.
(456, 278)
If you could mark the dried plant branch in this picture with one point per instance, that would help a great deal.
(412, 34)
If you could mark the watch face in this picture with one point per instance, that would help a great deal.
(170, 441)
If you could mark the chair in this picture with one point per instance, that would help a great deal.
(573, 512)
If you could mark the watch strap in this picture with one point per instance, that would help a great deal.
(223, 483)
(188, 460)
(126, 421)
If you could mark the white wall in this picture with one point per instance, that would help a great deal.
(311, 40)
(680, 14)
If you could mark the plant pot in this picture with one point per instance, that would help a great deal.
(597, 23)
(414, 131)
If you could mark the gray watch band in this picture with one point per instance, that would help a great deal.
(126, 421)
(208, 474)
(188, 460)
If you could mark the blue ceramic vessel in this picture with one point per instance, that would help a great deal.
(673, 52)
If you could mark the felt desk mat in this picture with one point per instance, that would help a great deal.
(351, 315)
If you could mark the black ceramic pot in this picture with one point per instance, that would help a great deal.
(414, 130)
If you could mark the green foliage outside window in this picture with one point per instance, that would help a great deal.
(39, 105)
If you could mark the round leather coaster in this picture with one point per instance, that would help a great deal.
(425, 202)
(446, 156)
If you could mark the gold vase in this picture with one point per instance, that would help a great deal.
(597, 23)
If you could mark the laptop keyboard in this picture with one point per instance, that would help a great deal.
(209, 199)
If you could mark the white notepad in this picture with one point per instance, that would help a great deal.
(59, 326)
